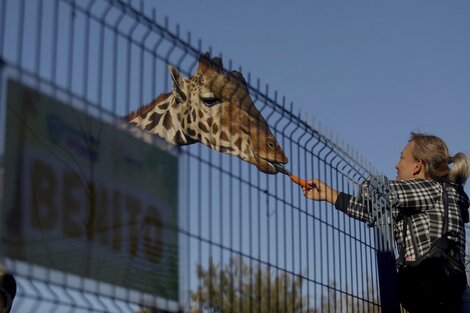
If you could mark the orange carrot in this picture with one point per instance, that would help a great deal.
(300, 182)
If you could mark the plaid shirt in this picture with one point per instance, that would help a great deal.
(424, 199)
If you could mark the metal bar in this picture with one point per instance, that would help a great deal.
(54, 47)
(71, 46)
(3, 12)
(99, 90)
(37, 63)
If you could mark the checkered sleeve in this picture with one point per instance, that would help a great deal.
(412, 196)
(359, 206)
(419, 199)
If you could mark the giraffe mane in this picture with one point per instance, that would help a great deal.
(146, 108)
(238, 77)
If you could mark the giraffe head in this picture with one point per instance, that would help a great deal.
(213, 107)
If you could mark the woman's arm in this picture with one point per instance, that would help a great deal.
(414, 194)
(356, 207)
(320, 191)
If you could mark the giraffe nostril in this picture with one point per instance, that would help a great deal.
(271, 145)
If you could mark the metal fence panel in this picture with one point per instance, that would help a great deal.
(247, 241)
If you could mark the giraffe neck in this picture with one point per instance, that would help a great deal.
(162, 117)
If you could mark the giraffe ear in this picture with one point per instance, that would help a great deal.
(177, 84)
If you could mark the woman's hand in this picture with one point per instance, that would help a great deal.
(320, 191)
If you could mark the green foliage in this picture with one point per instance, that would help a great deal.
(336, 301)
(241, 287)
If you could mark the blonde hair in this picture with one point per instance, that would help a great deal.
(433, 152)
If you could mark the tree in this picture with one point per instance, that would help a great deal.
(237, 287)
(240, 288)
(338, 301)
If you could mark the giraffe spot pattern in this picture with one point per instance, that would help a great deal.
(179, 140)
(223, 136)
(213, 141)
(163, 106)
(226, 149)
(191, 132)
(203, 127)
(167, 123)
(238, 144)
(214, 128)
(154, 120)
(247, 151)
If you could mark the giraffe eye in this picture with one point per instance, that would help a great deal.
(210, 101)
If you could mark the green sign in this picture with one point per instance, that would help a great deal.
(85, 197)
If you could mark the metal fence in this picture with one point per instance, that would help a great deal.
(234, 239)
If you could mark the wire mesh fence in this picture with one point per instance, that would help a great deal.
(98, 217)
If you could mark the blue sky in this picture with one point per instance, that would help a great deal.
(369, 71)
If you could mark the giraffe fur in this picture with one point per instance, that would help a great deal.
(212, 107)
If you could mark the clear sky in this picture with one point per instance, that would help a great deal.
(370, 71)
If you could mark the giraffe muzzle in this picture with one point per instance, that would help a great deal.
(280, 169)
(302, 183)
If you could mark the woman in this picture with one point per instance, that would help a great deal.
(424, 183)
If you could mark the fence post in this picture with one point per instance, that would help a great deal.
(379, 191)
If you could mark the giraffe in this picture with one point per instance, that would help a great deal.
(212, 107)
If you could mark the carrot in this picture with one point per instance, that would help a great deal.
(300, 182)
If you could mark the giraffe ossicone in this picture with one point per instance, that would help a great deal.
(212, 107)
